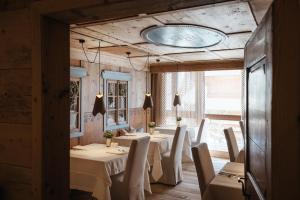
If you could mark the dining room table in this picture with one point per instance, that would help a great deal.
(187, 145)
(159, 144)
(225, 184)
(91, 167)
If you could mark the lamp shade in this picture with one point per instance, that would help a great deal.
(148, 103)
(99, 106)
(177, 100)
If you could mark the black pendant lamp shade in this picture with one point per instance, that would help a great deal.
(177, 100)
(148, 103)
(99, 106)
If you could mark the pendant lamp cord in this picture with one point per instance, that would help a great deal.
(99, 66)
(147, 64)
(87, 58)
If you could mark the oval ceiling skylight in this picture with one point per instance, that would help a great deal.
(183, 35)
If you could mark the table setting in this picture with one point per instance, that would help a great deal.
(92, 165)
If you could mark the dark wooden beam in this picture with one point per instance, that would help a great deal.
(198, 66)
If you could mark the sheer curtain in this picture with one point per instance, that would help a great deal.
(191, 88)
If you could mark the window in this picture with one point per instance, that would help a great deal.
(76, 113)
(223, 92)
(189, 85)
(75, 100)
(117, 101)
(215, 95)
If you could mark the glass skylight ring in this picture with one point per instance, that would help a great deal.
(183, 35)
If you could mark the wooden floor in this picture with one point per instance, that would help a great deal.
(188, 189)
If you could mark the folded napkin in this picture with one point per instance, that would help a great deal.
(117, 150)
(130, 134)
(160, 136)
(230, 174)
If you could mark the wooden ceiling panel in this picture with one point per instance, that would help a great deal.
(233, 41)
(106, 58)
(128, 31)
(231, 54)
(196, 56)
(168, 50)
(234, 18)
(229, 17)
(121, 51)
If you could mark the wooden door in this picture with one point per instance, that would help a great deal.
(256, 166)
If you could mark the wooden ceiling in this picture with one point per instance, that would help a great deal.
(236, 19)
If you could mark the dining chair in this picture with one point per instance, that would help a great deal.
(197, 141)
(129, 185)
(242, 129)
(171, 161)
(204, 167)
(233, 149)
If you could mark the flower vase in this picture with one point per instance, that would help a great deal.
(151, 131)
(108, 142)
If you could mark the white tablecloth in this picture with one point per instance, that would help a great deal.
(189, 136)
(91, 167)
(225, 185)
(159, 144)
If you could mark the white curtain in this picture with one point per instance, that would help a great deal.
(191, 88)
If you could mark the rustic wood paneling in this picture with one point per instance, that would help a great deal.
(15, 96)
(93, 125)
(15, 142)
(15, 102)
(15, 37)
(286, 100)
(15, 182)
(279, 163)
(56, 109)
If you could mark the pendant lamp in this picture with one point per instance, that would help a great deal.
(99, 106)
(177, 100)
(148, 102)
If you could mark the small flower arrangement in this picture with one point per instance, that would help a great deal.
(178, 119)
(151, 124)
(108, 134)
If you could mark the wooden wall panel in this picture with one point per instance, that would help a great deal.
(15, 142)
(15, 96)
(56, 109)
(93, 125)
(15, 102)
(15, 182)
(277, 38)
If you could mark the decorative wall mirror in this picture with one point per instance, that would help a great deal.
(117, 90)
(76, 112)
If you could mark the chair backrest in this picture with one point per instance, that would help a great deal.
(135, 167)
(177, 145)
(204, 166)
(233, 149)
(242, 129)
(200, 131)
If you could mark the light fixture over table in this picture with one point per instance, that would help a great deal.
(99, 105)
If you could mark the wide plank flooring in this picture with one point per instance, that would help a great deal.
(188, 189)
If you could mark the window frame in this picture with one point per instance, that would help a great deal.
(118, 77)
(78, 73)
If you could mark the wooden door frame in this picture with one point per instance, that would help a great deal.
(45, 150)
